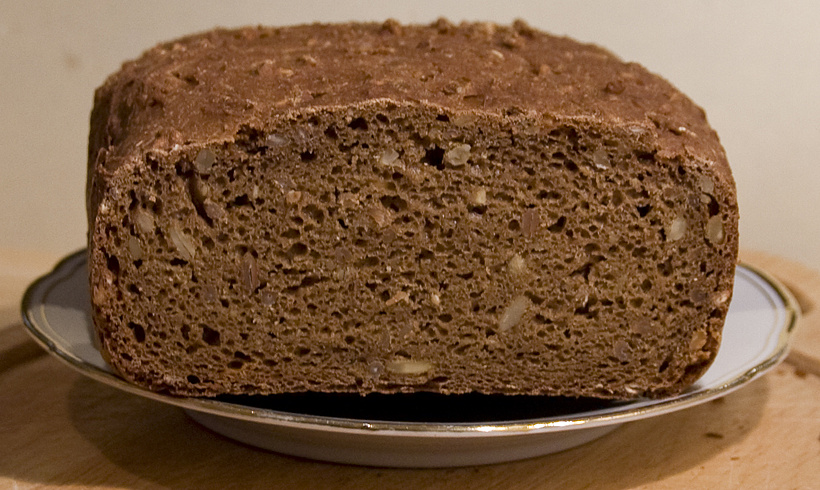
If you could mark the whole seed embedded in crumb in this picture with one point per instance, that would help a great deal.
(464, 119)
(380, 216)
(200, 190)
(409, 367)
(400, 296)
(183, 243)
(698, 340)
(204, 161)
(517, 266)
(273, 140)
(293, 197)
(249, 271)
(134, 248)
(375, 369)
(342, 255)
(143, 220)
(677, 229)
(722, 297)
(513, 313)
(621, 351)
(479, 197)
(213, 210)
(714, 230)
(707, 185)
(389, 157)
(600, 159)
(458, 155)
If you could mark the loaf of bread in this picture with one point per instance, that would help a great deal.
(388, 208)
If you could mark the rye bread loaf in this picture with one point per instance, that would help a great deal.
(387, 208)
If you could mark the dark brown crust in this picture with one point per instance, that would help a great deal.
(207, 86)
(207, 90)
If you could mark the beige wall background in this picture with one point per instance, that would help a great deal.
(753, 65)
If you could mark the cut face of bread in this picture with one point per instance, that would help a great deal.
(369, 236)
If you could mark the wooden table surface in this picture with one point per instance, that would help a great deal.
(59, 429)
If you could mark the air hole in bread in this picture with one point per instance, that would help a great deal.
(358, 123)
(138, 330)
(210, 336)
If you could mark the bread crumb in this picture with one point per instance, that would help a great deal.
(380, 216)
(530, 222)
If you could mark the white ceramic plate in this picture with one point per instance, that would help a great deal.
(422, 430)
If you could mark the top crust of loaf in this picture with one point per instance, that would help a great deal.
(206, 87)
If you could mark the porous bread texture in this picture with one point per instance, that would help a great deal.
(386, 208)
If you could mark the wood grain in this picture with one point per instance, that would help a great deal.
(58, 429)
